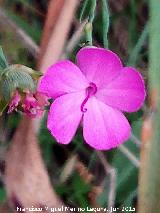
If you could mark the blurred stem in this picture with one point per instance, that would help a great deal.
(134, 55)
(132, 24)
(149, 184)
(21, 35)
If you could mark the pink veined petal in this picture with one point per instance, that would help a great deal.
(104, 128)
(126, 92)
(99, 65)
(64, 116)
(62, 78)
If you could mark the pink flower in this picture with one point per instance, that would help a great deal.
(29, 103)
(34, 106)
(14, 102)
(96, 90)
(42, 99)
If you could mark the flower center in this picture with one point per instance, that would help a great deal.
(90, 91)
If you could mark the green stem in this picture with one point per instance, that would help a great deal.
(92, 11)
(105, 22)
(89, 25)
(83, 10)
(149, 184)
(88, 32)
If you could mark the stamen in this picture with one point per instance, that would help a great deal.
(90, 91)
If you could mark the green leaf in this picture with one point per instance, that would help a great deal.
(3, 61)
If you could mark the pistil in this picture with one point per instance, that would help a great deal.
(90, 91)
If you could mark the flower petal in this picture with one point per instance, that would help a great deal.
(126, 92)
(61, 78)
(104, 127)
(99, 65)
(64, 116)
